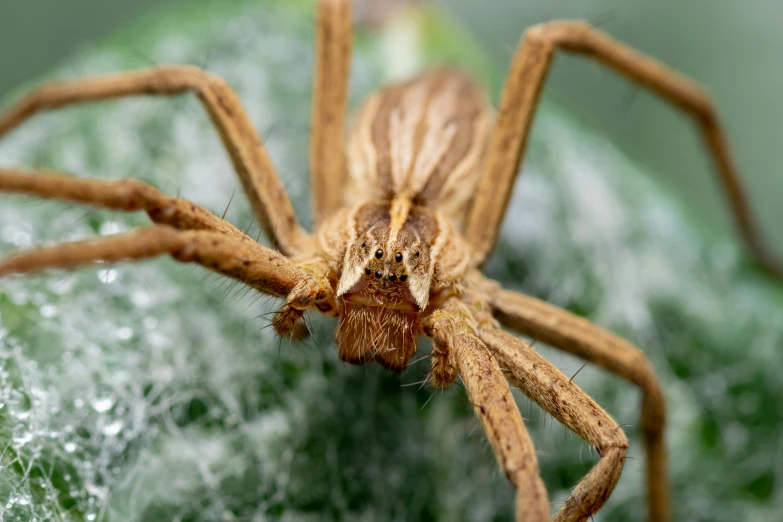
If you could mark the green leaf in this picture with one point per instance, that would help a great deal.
(152, 392)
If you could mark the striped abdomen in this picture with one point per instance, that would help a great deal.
(423, 138)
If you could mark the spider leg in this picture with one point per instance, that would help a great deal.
(555, 393)
(309, 285)
(126, 194)
(259, 267)
(313, 289)
(575, 335)
(268, 198)
(519, 101)
(452, 327)
(334, 38)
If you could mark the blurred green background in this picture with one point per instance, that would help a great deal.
(118, 409)
(733, 48)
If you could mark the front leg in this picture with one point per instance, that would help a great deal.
(561, 398)
(256, 266)
(127, 195)
(575, 335)
(452, 328)
(186, 231)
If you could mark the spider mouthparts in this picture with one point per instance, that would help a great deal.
(375, 333)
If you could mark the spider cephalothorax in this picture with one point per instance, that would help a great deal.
(387, 273)
(389, 261)
(406, 210)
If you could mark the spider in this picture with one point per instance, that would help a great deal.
(407, 208)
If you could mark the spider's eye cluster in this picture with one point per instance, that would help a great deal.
(391, 267)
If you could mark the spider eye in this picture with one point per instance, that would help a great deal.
(367, 271)
(379, 253)
(392, 277)
(378, 274)
(364, 244)
(403, 277)
(398, 257)
(416, 254)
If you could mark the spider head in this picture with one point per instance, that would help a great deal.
(388, 267)
(383, 288)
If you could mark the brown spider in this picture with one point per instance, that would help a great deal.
(406, 209)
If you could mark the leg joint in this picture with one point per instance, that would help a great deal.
(564, 33)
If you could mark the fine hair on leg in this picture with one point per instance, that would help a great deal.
(452, 329)
(127, 195)
(575, 335)
(566, 402)
(259, 267)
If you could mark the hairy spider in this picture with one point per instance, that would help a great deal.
(407, 209)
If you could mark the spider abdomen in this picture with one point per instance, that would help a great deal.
(424, 138)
